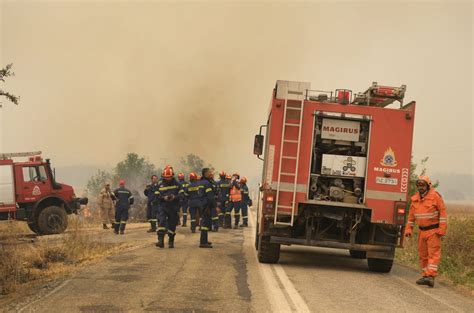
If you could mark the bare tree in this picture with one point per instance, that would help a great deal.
(6, 72)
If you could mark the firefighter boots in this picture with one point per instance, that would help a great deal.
(171, 241)
(428, 281)
(161, 241)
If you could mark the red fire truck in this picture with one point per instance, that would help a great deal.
(336, 167)
(29, 192)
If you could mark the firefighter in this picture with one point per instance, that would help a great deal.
(223, 187)
(124, 199)
(428, 211)
(210, 192)
(194, 194)
(184, 201)
(152, 207)
(235, 201)
(106, 205)
(169, 195)
(246, 202)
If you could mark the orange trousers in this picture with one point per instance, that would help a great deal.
(429, 251)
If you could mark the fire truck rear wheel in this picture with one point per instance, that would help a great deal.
(268, 252)
(357, 254)
(52, 220)
(380, 265)
(33, 227)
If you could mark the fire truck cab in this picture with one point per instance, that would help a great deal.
(336, 167)
(29, 192)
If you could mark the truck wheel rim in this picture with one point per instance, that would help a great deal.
(55, 222)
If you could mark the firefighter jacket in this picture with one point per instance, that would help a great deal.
(429, 211)
(184, 199)
(210, 192)
(169, 193)
(235, 193)
(124, 198)
(106, 199)
(245, 194)
(223, 187)
(150, 191)
(195, 194)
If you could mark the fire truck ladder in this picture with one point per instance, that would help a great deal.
(7, 156)
(296, 108)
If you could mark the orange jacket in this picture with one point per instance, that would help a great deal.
(235, 194)
(427, 211)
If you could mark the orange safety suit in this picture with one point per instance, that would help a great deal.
(235, 194)
(429, 213)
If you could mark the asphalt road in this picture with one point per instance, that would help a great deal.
(228, 278)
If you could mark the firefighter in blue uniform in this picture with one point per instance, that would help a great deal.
(246, 202)
(210, 193)
(184, 202)
(194, 194)
(235, 202)
(123, 200)
(223, 188)
(169, 195)
(152, 208)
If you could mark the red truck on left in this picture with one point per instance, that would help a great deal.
(29, 192)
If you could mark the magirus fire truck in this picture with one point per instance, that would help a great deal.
(29, 192)
(336, 166)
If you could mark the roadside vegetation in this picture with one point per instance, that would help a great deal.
(25, 259)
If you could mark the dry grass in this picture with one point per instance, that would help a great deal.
(457, 262)
(22, 262)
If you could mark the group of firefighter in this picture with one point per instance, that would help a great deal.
(209, 204)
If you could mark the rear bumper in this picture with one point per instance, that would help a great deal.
(332, 244)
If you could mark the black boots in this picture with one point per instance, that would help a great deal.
(193, 227)
(152, 227)
(171, 241)
(161, 240)
(204, 243)
(428, 281)
(228, 221)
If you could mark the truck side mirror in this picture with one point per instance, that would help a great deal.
(258, 145)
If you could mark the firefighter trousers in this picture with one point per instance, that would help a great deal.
(121, 218)
(245, 211)
(429, 251)
(193, 211)
(215, 219)
(206, 224)
(168, 219)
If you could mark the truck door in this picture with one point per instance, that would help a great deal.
(7, 191)
(34, 183)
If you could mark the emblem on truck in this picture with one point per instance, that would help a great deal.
(389, 158)
(36, 191)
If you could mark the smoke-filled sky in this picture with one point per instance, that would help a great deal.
(98, 79)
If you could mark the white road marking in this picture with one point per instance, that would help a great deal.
(272, 275)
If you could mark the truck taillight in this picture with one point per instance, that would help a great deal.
(400, 212)
(269, 201)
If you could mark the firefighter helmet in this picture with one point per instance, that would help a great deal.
(243, 180)
(122, 182)
(236, 175)
(425, 179)
(222, 174)
(193, 176)
(181, 176)
(168, 172)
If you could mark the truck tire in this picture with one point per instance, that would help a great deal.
(379, 265)
(52, 220)
(357, 254)
(33, 227)
(268, 252)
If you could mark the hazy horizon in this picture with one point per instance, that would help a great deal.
(164, 79)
